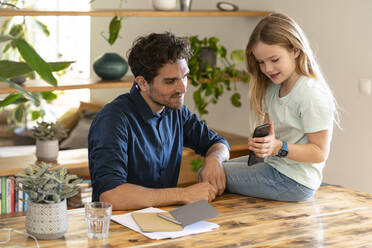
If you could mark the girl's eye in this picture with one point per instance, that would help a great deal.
(260, 62)
(275, 60)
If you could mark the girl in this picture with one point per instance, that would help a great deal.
(288, 91)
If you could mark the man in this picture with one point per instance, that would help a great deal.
(136, 141)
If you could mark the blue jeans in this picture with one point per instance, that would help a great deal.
(263, 181)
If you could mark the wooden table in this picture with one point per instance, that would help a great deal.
(335, 217)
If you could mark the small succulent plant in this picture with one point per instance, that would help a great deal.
(47, 183)
(49, 131)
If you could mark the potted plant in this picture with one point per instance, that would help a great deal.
(210, 79)
(111, 66)
(47, 136)
(25, 110)
(47, 186)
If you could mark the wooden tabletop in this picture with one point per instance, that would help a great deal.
(335, 217)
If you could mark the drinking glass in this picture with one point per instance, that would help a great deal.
(97, 216)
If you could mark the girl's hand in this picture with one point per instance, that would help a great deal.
(267, 145)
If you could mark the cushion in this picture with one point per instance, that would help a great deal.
(78, 137)
(71, 118)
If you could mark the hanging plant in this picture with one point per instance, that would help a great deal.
(212, 80)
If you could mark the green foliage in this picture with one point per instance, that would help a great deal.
(214, 80)
(26, 62)
(47, 183)
(114, 27)
(49, 131)
(196, 164)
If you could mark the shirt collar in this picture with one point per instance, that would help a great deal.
(142, 107)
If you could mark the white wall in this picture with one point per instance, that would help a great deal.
(340, 33)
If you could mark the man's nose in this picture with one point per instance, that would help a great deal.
(182, 85)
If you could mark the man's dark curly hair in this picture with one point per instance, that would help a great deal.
(149, 53)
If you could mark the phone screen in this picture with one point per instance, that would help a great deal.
(260, 131)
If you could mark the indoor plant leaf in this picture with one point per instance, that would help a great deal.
(34, 60)
(114, 29)
(9, 99)
(4, 38)
(43, 27)
(237, 56)
(20, 90)
(9, 69)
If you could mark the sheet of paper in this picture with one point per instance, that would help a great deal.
(198, 227)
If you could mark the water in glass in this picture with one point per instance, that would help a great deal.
(97, 215)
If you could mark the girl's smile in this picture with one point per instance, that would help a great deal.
(277, 63)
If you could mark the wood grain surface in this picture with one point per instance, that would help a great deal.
(334, 217)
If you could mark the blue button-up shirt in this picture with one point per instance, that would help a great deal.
(129, 143)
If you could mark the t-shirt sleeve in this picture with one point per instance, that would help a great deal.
(317, 111)
(196, 134)
(108, 159)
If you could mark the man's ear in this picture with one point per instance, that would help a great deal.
(142, 83)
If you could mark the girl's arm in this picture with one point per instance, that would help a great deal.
(316, 151)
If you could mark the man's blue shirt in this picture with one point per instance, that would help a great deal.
(128, 143)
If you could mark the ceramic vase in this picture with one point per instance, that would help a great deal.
(47, 150)
(110, 66)
(46, 221)
(164, 4)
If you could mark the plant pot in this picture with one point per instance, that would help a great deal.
(110, 66)
(46, 221)
(47, 150)
(164, 4)
(207, 55)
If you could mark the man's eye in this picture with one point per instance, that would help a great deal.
(170, 81)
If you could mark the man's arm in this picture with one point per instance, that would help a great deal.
(212, 170)
(130, 196)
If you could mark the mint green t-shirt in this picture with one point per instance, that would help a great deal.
(308, 108)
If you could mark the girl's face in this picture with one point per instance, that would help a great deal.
(277, 63)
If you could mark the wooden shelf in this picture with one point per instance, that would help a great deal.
(71, 84)
(135, 13)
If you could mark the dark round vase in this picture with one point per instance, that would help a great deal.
(110, 66)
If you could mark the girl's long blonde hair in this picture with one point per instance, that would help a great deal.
(278, 29)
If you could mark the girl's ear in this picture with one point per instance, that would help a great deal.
(296, 52)
(142, 83)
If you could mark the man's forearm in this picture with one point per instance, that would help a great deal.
(130, 196)
(219, 151)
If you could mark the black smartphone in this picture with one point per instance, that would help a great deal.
(260, 131)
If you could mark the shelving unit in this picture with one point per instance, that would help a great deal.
(70, 84)
(135, 13)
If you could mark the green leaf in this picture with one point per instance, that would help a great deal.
(4, 38)
(48, 96)
(237, 56)
(20, 90)
(9, 99)
(17, 30)
(34, 60)
(42, 26)
(114, 29)
(235, 100)
(35, 114)
(9, 69)
(58, 66)
(19, 112)
(196, 164)
(5, 25)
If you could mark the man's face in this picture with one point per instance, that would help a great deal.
(168, 87)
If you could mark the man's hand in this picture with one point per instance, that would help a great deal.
(214, 173)
(197, 192)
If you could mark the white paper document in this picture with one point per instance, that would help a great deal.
(198, 227)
